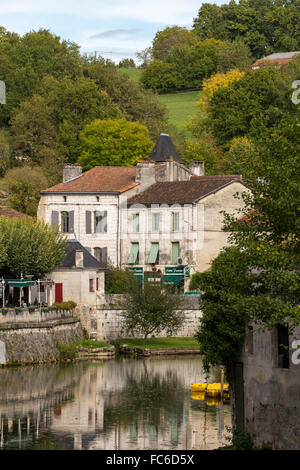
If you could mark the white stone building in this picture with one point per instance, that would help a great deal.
(158, 217)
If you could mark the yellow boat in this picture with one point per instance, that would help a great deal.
(198, 396)
(213, 401)
(201, 387)
(214, 390)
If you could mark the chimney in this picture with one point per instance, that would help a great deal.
(71, 171)
(79, 259)
(145, 173)
(170, 169)
(197, 168)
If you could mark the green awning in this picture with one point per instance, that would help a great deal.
(19, 282)
(153, 253)
(172, 279)
(133, 253)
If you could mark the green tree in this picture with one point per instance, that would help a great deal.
(257, 279)
(25, 60)
(234, 55)
(32, 247)
(170, 37)
(5, 151)
(23, 185)
(117, 280)
(127, 64)
(113, 142)
(150, 309)
(266, 26)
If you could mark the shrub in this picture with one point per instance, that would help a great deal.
(69, 305)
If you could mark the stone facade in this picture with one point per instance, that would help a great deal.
(271, 393)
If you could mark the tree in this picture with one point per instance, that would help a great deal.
(150, 309)
(214, 83)
(23, 185)
(117, 280)
(5, 151)
(24, 61)
(240, 157)
(113, 142)
(266, 26)
(32, 247)
(170, 37)
(257, 279)
(234, 55)
(145, 57)
(127, 64)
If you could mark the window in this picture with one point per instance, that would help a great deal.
(155, 222)
(97, 283)
(175, 252)
(283, 346)
(100, 222)
(175, 221)
(65, 198)
(134, 254)
(154, 256)
(136, 223)
(101, 254)
(65, 222)
(92, 285)
(249, 340)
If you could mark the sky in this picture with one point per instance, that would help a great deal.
(113, 29)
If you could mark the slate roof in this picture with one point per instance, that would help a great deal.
(100, 179)
(278, 57)
(89, 261)
(11, 213)
(183, 192)
(163, 150)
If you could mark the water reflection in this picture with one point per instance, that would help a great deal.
(114, 405)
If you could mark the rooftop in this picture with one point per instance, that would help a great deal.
(100, 179)
(279, 57)
(164, 150)
(184, 192)
(11, 213)
(89, 261)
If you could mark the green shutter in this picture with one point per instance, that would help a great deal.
(175, 252)
(175, 221)
(133, 253)
(136, 223)
(153, 253)
(155, 222)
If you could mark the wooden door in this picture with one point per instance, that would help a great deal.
(58, 292)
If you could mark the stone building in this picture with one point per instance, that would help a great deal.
(159, 216)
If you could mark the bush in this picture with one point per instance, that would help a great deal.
(66, 353)
(69, 305)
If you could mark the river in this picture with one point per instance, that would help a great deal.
(116, 404)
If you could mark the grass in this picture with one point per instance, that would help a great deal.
(133, 74)
(182, 107)
(92, 344)
(162, 343)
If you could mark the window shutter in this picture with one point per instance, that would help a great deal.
(88, 222)
(54, 219)
(104, 255)
(71, 222)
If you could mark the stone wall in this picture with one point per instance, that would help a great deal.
(25, 316)
(271, 394)
(105, 322)
(27, 343)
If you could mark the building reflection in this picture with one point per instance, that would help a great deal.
(121, 404)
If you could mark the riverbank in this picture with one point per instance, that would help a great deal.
(157, 346)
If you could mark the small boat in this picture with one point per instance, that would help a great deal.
(201, 387)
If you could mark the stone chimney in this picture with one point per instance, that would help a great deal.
(197, 168)
(79, 259)
(71, 171)
(145, 173)
(170, 171)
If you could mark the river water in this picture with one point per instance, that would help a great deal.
(116, 404)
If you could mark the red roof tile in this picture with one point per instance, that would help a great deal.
(11, 213)
(183, 192)
(100, 179)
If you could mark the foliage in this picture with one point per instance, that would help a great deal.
(67, 305)
(265, 26)
(31, 247)
(150, 309)
(113, 142)
(5, 151)
(240, 158)
(240, 440)
(24, 61)
(206, 151)
(23, 185)
(214, 83)
(66, 352)
(257, 279)
(117, 280)
(170, 37)
(127, 63)
(145, 57)
(234, 55)
(184, 68)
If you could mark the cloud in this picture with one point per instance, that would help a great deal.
(114, 33)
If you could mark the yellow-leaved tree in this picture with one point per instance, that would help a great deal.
(214, 83)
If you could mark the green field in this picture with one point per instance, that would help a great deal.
(182, 107)
(133, 74)
(162, 343)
